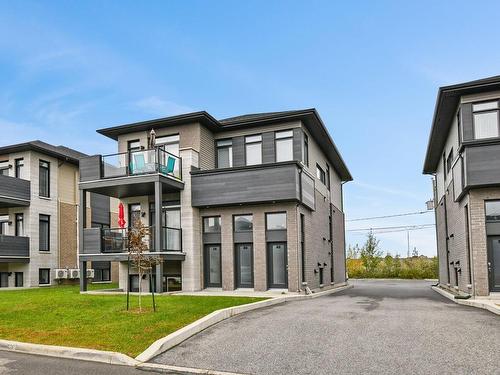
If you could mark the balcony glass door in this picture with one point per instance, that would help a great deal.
(277, 265)
(213, 266)
(494, 263)
(171, 225)
(244, 265)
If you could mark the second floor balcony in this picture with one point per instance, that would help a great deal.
(14, 249)
(14, 192)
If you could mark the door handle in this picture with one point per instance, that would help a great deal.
(489, 266)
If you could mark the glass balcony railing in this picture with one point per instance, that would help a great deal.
(115, 240)
(132, 163)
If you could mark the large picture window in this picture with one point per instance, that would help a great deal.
(243, 223)
(19, 168)
(224, 153)
(44, 179)
(485, 117)
(492, 209)
(169, 143)
(284, 145)
(253, 149)
(44, 233)
(276, 221)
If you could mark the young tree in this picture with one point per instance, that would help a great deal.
(353, 251)
(370, 254)
(138, 253)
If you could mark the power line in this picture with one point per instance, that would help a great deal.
(394, 231)
(401, 227)
(388, 216)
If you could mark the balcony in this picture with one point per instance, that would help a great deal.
(131, 173)
(14, 249)
(113, 242)
(273, 182)
(14, 192)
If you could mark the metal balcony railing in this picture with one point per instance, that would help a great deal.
(115, 240)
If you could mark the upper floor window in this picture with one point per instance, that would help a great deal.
(327, 176)
(19, 168)
(4, 167)
(305, 150)
(492, 209)
(253, 149)
(44, 178)
(19, 229)
(276, 221)
(485, 117)
(170, 143)
(243, 223)
(449, 161)
(4, 223)
(43, 233)
(320, 174)
(134, 145)
(211, 224)
(284, 145)
(224, 153)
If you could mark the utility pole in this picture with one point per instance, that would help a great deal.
(408, 240)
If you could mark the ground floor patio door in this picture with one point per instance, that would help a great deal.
(213, 266)
(244, 265)
(494, 263)
(277, 274)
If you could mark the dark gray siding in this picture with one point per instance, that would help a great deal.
(211, 238)
(298, 135)
(12, 246)
(307, 190)
(91, 241)
(268, 149)
(90, 168)
(483, 166)
(466, 122)
(264, 183)
(14, 191)
(99, 208)
(238, 151)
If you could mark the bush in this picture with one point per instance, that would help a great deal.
(416, 267)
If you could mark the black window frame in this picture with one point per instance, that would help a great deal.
(321, 276)
(253, 143)
(212, 217)
(40, 270)
(234, 223)
(18, 217)
(133, 149)
(497, 110)
(18, 284)
(327, 176)
(41, 188)
(305, 151)
(46, 219)
(227, 146)
(4, 168)
(449, 160)
(276, 213)
(320, 174)
(286, 138)
(18, 165)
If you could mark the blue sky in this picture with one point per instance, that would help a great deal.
(372, 69)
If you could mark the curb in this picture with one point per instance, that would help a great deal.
(467, 302)
(166, 369)
(112, 358)
(177, 337)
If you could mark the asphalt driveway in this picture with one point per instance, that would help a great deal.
(378, 327)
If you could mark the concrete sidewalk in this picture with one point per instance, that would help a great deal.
(492, 305)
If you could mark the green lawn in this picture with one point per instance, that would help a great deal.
(62, 316)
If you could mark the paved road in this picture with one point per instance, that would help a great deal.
(378, 327)
(26, 364)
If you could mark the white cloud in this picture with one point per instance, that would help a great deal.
(156, 106)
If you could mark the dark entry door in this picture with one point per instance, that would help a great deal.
(494, 263)
(277, 274)
(213, 266)
(4, 279)
(244, 265)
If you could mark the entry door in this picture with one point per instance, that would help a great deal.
(4, 279)
(244, 265)
(277, 274)
(213, 266)
(494, 263)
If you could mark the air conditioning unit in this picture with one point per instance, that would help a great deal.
(90, 274)
(74, 273)
(61, 273)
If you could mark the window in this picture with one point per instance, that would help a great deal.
(134, 213)
(449, 161)
(4, 279)
(44, 179)
(19, 168)
(320, 174)
(44, 233)
(224, 153)
(134, 145)
(4, 223)
(4, 167)
(305, 151)
(321, 276)
(19, 225)
(211, 224)
(44, 276)
(327, 176)
(284, 145)
(276, 221)
(485, 117)
(19, 281)
(102, 271)
(243, 223)
(253, 149)
(492, 209)
(169, 143)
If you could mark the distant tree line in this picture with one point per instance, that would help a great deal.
(368, 262)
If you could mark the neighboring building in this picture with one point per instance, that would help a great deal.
(463, 155)
(253, 201)
(38, 214)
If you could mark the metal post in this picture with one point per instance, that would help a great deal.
(408, 240)
(82, 223)
(158, 233)
(128, 280)
(152, 289)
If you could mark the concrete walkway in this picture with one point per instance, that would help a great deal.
(378, 327)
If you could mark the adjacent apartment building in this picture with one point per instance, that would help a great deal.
(250, 202)
(463, 155)
(38, 216)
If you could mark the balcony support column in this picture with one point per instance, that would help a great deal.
(82, 224)
(158, 233)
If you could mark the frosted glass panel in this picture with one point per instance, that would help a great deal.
(215, 271)
(278, 254)
(486, 125)
(245, 255)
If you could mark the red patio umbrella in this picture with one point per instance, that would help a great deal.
(121, 216)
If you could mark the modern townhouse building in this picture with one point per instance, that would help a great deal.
(250, 202)
(38, 215)
(463, 155)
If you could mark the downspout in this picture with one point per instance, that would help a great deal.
(297, 219)
(346, 275)
(434, 196)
